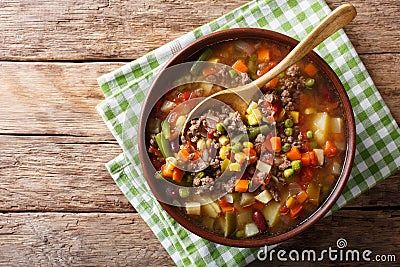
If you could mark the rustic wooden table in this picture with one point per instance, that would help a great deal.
(59, 205)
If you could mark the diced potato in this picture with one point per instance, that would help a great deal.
(271, 213)
(336, 125)
(247, 199)
(320, 137)
(201, 145)
(336, 168)
(193, 208)
(207, 87)
(321, 121)
(264, 197)
(341, 145)
(263, 167)
(244, 217)
(250, 229)
(320, 155)
(229, 198)
(167, 106)
(209, 210)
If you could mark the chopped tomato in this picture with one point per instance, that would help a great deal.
(167, 173)
(251, 154)
(306, 174)
(283, 209)
(294, 212)
(329, 149)
(184, 96)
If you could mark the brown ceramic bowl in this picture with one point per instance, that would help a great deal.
(190, 53)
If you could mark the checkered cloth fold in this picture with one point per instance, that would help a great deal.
(378, 136)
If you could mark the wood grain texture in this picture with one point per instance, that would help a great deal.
(115, 239)
(103, 29)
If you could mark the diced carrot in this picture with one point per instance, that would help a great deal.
(293, 153)
(276, 144)
(338, 136)
(329, 149)
(301, 197)
(274, 82)
(310, 69)
(177, 175)
(251, 153)
(294, 212)
(184, 154)
(209, 71)
(263, 55)
(283, 209)
(305, 159)
(313, 158)
(167, 173)
(225, 206)
(239, 65)
(242, 186)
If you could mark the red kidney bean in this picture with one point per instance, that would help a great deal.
(175, 145)
(259, 220)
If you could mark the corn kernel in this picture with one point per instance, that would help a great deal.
(240, 157)
(180, 121)
(208, 143)
(234, 167)
(295, 116)
(252, 105)
(201, 145)
(224, 164)
(291, 202)
(248, 144)
(223, 140)
(222, 152)
(252, 120)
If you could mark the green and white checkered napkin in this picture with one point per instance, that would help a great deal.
(378, 135)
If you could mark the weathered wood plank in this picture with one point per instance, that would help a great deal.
(60, 98)
(58, 174)
(102, 29)
(52, 98)
(51, 173)
(124, 239)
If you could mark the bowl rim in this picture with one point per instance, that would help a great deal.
(252, 33)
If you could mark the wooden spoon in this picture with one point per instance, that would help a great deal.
(240, 97)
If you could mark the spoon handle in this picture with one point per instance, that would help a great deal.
(336, 20)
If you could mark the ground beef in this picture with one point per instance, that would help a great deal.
(285, 164)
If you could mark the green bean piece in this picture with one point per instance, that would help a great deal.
(164, 145)
(239, 234)
(309, 134)
(309, 82)
(166, 129)
(254, 131)
(253, 66)
(237, 147)
(203, 57)
(281, 75)
(230, 223)
(296, 165)
(288, 123)
(288, 173)
(200, 175)
(286, 147)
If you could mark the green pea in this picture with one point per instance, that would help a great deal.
(184, 192)
(296, 165)
(289, 131)
(220, 127)
(281, 75)
(232, 73)
(288, 173)
(200, 175)
(309, 134)
(309, 82)
(237, 147)
(313, 144)
(288, 123)
(286, 147)
(239, 234)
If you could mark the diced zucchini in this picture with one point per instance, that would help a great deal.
(230, 223)
(271, 213)
(319, 153)
(244, 217)
(313, 192)
(208, 222)
(250, 229)
(193, 208)
(264, 197)
(247, 199)
(336, 125)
